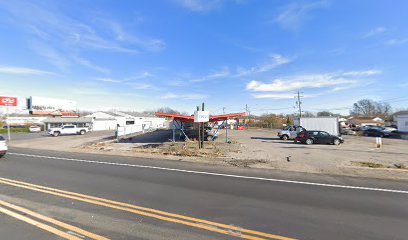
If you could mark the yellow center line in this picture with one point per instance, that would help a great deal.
(53, 221)
(147, 211)
(38, 224)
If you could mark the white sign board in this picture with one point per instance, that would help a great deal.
(201, 116)
(42, 105)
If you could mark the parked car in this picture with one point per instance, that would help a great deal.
(376, 132)
(389, 129)
(290, 132)
(14, 126)
(322, 137)
(3, 146)
(67, 129)
(347, 131)
(34, 129)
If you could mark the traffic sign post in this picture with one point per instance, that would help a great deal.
(7, 102)
(201, 117)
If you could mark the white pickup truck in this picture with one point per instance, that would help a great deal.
(67, 129)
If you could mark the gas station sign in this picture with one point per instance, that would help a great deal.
(8, 101)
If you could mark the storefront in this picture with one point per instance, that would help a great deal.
(60, 121)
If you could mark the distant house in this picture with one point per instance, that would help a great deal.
(364, 121)
(401, 118)
(377, 119)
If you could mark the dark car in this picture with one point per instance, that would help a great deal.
(310, 137)
(376, 132)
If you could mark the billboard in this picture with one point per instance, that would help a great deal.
(8, 101)
(50, 106)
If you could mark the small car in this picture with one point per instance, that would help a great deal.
(34, 128)
(375, 132)
(322, 137)
(290, 132)
(3, 146)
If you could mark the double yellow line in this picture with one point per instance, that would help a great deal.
(22, 213)
(149, 212)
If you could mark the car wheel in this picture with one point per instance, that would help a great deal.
(365, 134)
(82, 132)
(56, 134)
(2, 155)
(381, 135)
(285, 137)
(336, 142)
(309, 141)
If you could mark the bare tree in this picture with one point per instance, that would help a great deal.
(168, 110)
(324, 114)
(364, 107)
(370, 108)
(308, 114)
(384, 109)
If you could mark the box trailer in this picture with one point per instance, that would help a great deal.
(327, 124)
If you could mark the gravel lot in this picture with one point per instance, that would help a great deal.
(343, 159)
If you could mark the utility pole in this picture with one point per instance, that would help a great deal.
(223, 110)
(299, 103)
(199, 130)
(202, 137)
(247, 110)
(8, 124)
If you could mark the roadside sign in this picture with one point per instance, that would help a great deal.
(201, 116)
(8, 101)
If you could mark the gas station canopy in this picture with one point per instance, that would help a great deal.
(186, 118)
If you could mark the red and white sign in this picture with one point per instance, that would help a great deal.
(8, 101)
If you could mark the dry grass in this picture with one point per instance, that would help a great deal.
(379, 165)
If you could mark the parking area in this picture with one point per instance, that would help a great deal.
(61, 143)
(355, 154)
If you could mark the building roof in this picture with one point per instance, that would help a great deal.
(101, 115)
(401, 113)
(68, 120)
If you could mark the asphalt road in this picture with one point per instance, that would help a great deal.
(264, 204)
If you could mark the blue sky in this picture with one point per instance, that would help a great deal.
(142, 55)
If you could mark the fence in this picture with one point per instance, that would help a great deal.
(129, 130)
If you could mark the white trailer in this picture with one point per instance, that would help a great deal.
(327, 124)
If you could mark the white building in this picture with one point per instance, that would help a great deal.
(25, 120)
(103, 121)
(402, 120)
(112, 120)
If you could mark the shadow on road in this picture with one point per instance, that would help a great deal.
(159, 136)
(264, 138)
